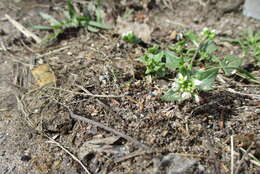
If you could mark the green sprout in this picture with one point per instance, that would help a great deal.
(249, 41)
(153, 60)
(208, 33)
(72, 20)
(131, 37)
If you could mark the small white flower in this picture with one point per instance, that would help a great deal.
(180, 78)
(197, 82)
(234, 71)
(197, 98)
(175, 85)
(205, 29)
(186, 95)
(127, 33)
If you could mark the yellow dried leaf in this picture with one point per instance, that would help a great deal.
(43, 75)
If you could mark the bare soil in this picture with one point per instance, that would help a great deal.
(149, 135)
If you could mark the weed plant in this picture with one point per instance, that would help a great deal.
(196, 67)
(72, 19)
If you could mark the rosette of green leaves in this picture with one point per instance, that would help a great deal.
(71, 20)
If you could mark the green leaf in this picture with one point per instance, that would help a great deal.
(207, 78)
(231, 63)
(210, 46)
(172, 61)
(92, 29)
(179, 47)
(158, 57)
(193, 37)
(241, 71)
(99, 15)
(247, 74)
(71, 9)
(225, 39)
(57, 26)
(171, 96)
(153, 50)
(49, 18)
(99, 25)
(41, 27)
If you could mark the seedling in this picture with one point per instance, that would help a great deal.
(153, 60)
(72, 20)
(249, 41)
(131, 38)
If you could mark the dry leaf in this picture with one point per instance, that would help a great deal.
(44, 75)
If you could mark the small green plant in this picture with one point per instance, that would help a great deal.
(186, 62)
(72, 20)
(131, 38)
(205, 46)
(249, 41)
(153, 60)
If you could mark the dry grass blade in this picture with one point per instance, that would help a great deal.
(232, 154)
(54, 51)
(243, 158)
(68, 152)
(22, 29)
(88, 94)
(254, 160)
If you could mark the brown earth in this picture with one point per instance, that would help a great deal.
(163, 137)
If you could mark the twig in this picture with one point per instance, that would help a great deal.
(100, 102)
(3, 19)
(243, 158)
(78, 117)
(232, 154)
(3, 110)
(68, 152)
(130, 155)
(53, 51)
(3, 46)
(240, 93)
(84, 94)
(21, 107)
(255, 160)
(22, 29)
(27, 47)
(115, 132)
(26, 115)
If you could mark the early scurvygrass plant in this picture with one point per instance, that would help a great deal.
(71, 20)
(185, 62)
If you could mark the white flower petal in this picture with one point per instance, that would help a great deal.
(197, 82)
(185, 95)
(197, 98)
